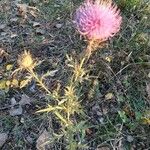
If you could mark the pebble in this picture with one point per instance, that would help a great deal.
(59, 25)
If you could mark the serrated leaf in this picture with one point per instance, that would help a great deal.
(23, 83)
(49, 109)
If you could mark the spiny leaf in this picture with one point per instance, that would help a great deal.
(23, 83)
(49, 109)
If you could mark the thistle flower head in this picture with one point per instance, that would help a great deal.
(25, 61)
(98, 19)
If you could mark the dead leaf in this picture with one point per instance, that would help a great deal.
(43, 140)
(22, 10)
(3, 138)
(148, 90)
(16, 111)
(109, 96)
(25, 100)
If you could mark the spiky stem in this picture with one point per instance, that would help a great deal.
(38, 80)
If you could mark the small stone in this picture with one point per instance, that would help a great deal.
(59, 25)
(130, 138)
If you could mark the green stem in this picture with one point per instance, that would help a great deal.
(39, 81)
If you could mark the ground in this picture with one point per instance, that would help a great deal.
(115, 100)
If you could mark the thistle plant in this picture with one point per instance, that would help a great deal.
(97, 21)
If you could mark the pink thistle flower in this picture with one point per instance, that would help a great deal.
(98, 19)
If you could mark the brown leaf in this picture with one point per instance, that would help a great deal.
(3, 138)
(22, 10)
(43, 140)
(25, 100)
